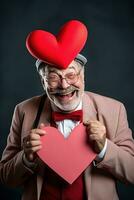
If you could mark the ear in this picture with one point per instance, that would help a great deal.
(42, 80)
(43, 83)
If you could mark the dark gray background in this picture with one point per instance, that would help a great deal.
(109, 49)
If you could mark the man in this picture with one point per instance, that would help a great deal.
(106, 125)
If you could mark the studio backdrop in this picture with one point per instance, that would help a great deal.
(109, 50)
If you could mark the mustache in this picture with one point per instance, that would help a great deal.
(64, 91)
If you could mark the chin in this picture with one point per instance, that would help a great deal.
(68, 106)
(66, 102)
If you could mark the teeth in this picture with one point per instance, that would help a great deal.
(65, 94)
(68, 94)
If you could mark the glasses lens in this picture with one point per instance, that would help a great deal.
(71, 78)
(54, 79)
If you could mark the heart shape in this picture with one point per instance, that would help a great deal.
(58, 50)
(67, 157)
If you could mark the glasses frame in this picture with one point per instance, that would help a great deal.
(61, 78)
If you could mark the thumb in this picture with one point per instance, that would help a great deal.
(87, 121)
(42, 125)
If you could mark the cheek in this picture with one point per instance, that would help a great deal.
(80, 84)
(50, 90)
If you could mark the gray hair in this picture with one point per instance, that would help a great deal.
(79, 58)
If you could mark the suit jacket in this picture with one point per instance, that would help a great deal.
(100, 179)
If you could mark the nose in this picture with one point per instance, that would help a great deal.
(64, 84)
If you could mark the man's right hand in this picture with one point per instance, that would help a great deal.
(32, 143)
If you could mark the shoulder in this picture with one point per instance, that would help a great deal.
(111, 109)
(104, 101)
(29, 104)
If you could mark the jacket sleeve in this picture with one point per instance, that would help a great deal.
(13, 172)
(119, 157)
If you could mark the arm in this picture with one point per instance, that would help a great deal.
(119, 156)
(13, 172)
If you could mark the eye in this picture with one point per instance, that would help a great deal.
(53, 77)
(70, 75)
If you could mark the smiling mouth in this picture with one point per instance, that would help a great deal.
(65, 95)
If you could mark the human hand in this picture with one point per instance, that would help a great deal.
(97, 134)
(32, 143)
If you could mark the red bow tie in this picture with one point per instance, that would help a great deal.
(76, 115)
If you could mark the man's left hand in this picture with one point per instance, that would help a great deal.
(97, 134)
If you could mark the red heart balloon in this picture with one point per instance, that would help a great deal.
(58, 50)
(67, 157)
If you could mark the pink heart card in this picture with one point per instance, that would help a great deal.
(67, 157)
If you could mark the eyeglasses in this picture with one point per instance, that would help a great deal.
(53, 79)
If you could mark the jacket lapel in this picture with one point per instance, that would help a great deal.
(89, 113)
(89, 110)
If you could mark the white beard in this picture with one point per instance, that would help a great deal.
(64, 107)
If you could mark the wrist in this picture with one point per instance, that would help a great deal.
(101, 155)
(32, 164)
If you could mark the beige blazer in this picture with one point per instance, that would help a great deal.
(100, 180)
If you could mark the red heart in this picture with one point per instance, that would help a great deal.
(58, 50)
(67, 157)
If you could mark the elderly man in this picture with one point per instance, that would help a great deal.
(106, 125)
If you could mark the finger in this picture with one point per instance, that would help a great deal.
(38, 131)
(42, 125)
(91, 122)
(37, 148)
(34, 136)
(33, 143)
(89, 128)
(95, 123)
(33, 149)
(94, 130)
(86, 123)
(98, 130)
(93, 137)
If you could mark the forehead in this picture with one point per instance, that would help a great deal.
(73, 66)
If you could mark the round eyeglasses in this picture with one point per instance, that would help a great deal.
(54, 79)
